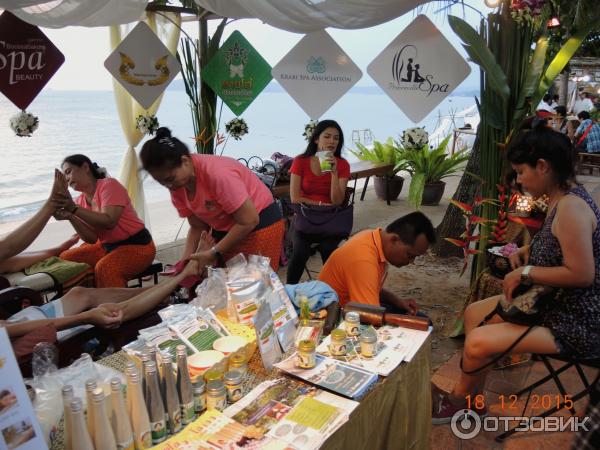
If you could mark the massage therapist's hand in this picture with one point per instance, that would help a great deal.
(63, 200)
(510, 283)
(410, 305)
(107, 315)
(520, 257)
(192, 268)
(203, 258)
(62, 214)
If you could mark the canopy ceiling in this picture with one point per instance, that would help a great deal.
(300, 16)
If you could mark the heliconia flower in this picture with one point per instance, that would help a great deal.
(457, 242)
(463, 206)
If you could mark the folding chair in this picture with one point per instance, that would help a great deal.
(553, 374)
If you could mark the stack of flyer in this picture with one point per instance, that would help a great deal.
(289, 413)
(339, 377)
(394, 345)
(278, 414)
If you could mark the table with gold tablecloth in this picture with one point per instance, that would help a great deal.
(394, 414)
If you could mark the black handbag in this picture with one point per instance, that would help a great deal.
(325, 220)
(528, 304)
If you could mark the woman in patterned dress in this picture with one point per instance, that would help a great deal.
(565, 254)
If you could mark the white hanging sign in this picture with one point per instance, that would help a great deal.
(316, 73)
(143, 65)
(419, 69)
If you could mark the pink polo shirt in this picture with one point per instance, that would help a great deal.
(109, 192)
(222, 186)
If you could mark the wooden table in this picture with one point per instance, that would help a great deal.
(359, 169)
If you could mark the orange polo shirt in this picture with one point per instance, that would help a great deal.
(357, 269)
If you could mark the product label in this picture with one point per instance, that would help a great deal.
(352, 329)
(305, 360)
(187, 412)
(337, 348)
(234, 393)
(175, 421)
(159, 431)
(217, 403)
(127, 445)
(200, 403)
(144, 440)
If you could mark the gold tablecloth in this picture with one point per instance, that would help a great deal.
(394, 414)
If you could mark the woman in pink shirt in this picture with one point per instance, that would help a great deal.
(216, 193)
(117, 244)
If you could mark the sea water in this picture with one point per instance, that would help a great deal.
(87, 122)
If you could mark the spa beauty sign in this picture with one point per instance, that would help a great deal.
(27, 60)
(419, 69)
(316, 73)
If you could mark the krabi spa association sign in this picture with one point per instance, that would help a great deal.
(316, 73)
(143, 65)
(419, 69)
(28, 59)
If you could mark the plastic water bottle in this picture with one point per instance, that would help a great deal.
(44, 358)
(304, 305)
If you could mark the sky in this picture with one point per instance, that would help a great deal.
(85, 49)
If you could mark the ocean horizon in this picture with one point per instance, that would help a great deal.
(87, 122)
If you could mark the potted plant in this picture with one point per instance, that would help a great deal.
(428, 166)
(384, 152)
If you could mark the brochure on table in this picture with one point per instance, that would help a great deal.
(19, 427)
(394, 345)
(336, 376)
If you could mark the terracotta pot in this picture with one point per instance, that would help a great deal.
(432, 193)
(396, 182)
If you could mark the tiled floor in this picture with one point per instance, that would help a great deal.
(500, 385)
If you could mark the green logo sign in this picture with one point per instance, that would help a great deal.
(237, 73)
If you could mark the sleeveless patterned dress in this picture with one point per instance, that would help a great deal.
(574, 317)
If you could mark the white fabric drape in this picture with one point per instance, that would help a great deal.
(87, 13)
(168, 32)
(305, 16)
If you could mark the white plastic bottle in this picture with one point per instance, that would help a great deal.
(104, 438)
(80, 437)
(120, 418)
(67, 397)
(90, 385)
(140, 421)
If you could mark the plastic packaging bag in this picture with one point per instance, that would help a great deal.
(212, 292)
(48, 401)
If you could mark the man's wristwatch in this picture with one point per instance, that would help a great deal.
(525, 277)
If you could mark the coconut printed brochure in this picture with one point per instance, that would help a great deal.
(332, 375)
(284, 324)
(19, 427)
(265, 336)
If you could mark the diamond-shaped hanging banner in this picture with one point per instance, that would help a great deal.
(419, 69)
(316, 73)
(28, 59)
(237, 73)
(143, 65)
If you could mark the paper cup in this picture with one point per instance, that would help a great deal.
(323, 160)
(229, 344)
(204, 360)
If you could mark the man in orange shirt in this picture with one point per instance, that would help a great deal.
(357, 269)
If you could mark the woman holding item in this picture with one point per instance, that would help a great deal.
(117, 243)
(564, 254)
(216, 193)
(319, 176)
